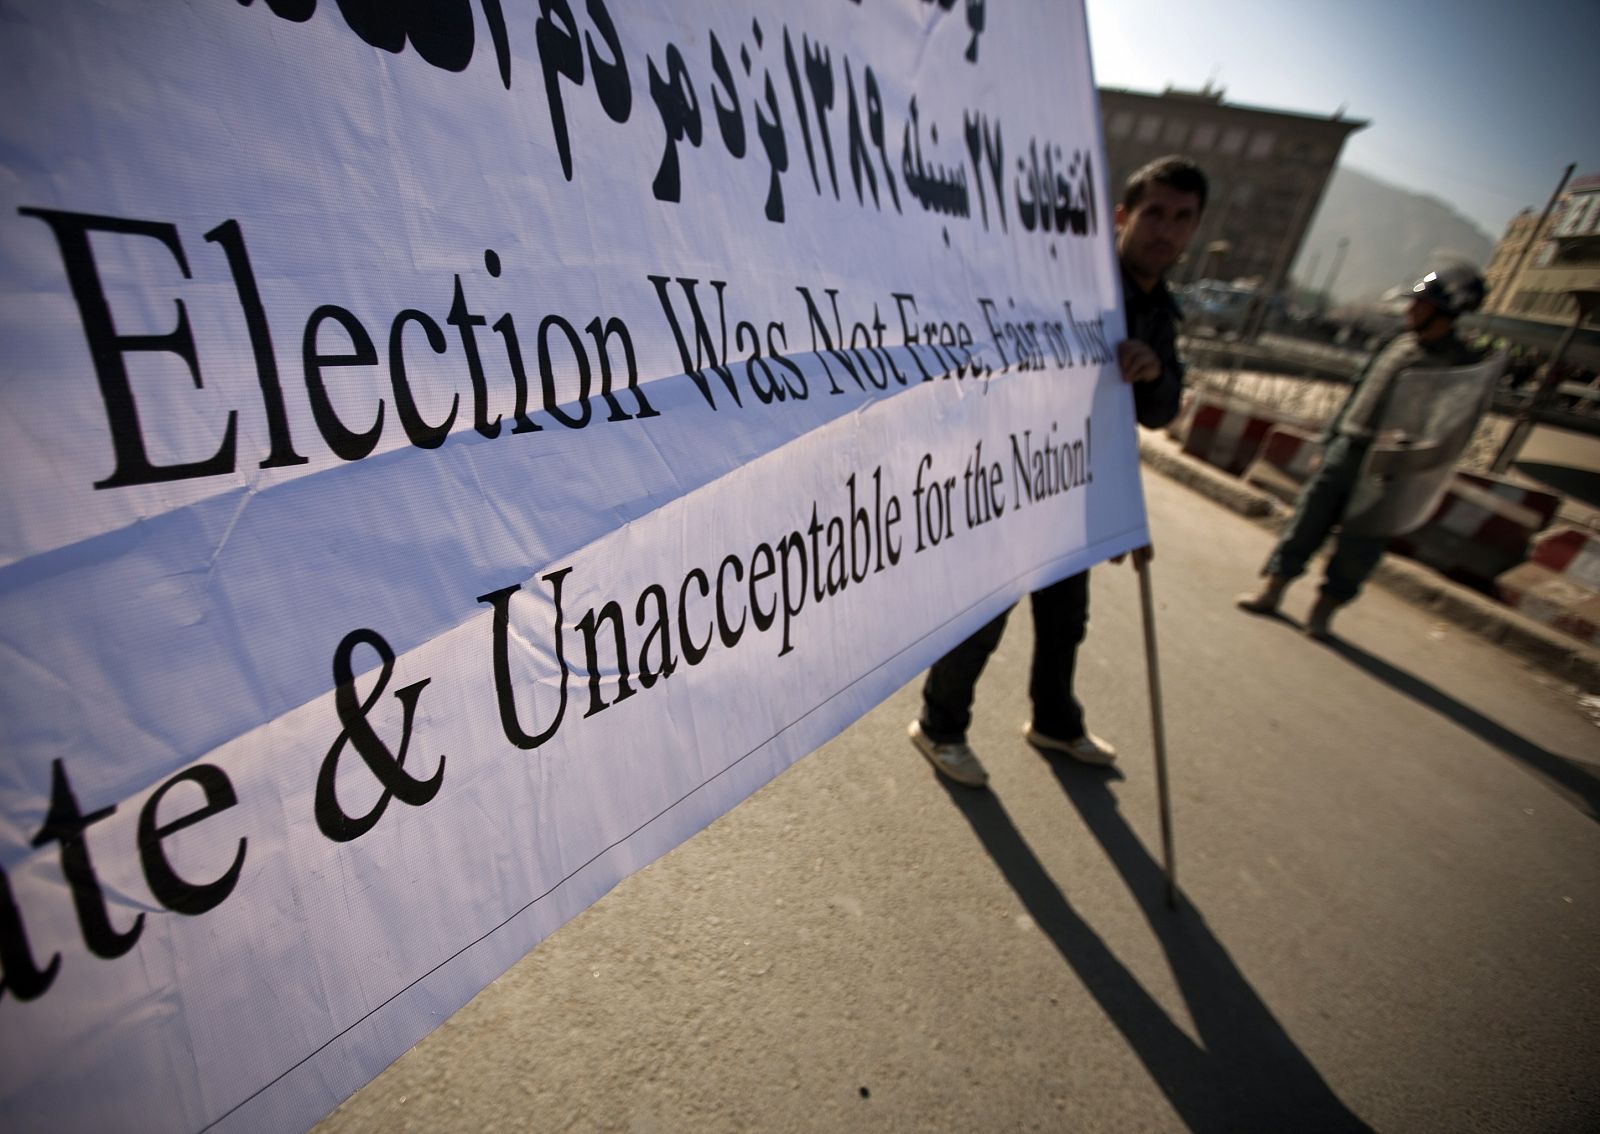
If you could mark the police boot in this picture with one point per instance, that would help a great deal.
(1317, 622)
(1266, 600)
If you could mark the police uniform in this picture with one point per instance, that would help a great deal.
(1346, 439)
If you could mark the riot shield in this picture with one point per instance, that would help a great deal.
(1427, 419)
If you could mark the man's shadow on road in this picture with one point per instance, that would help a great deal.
(1578, 784)
(1245, 1074)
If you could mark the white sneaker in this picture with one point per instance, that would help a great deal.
(955, 760)
(1087, 749)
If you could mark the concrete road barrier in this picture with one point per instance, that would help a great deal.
(1559, 585)
(1227, 434)
(1283, 463)
(1482, 528)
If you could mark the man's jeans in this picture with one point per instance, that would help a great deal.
(1060, 617)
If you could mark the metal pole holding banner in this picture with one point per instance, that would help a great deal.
(1141, 562)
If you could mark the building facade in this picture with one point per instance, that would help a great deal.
(1267, 168)
(1536, 268)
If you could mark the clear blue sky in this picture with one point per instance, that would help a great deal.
(1480, 103)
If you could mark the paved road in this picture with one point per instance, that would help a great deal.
(1388, 848)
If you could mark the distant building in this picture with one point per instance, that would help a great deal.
(1268, 170)
(1535, 283)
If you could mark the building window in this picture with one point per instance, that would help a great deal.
(1571, 218)
(1205, 136)
(1261, 145)
(1233, 140)
(1121, 124)
(1149, 128)
(1580, 217)
(1176, 133)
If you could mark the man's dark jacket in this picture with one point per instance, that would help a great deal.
(1153, 318)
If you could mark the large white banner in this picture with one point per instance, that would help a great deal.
(455, 450)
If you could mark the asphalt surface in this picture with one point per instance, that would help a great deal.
(1387, 849)
(1529, 640)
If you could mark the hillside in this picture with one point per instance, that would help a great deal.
(1394, 236)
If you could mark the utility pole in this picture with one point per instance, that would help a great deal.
(1333, 272)
(1217, 237)
(1272, 286)
(1587, 301)
(1545, 392)
(1533, 238)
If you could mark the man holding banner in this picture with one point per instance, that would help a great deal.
(454, 452)
(1155, 220)
(1389, 450)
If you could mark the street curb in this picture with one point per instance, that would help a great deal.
(1533, 642)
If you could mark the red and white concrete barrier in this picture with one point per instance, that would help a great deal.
(1283, 463)
(1482, 528)
(1559, 585)
(1227, 434)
